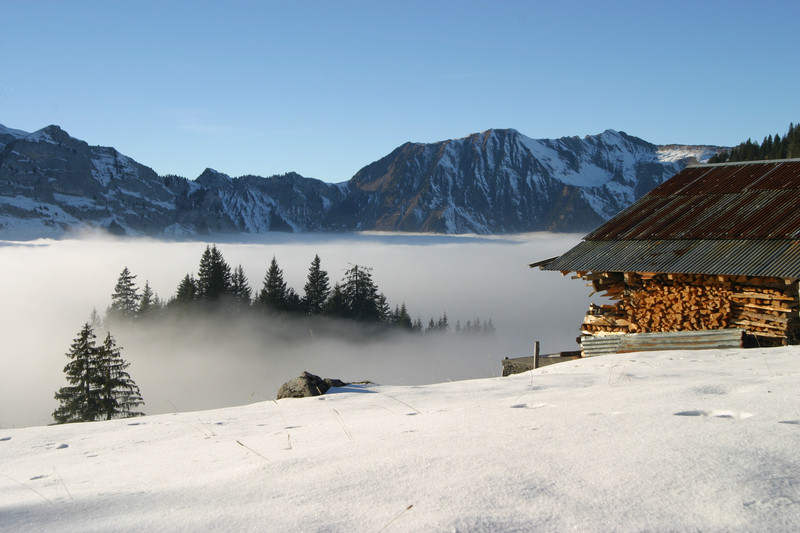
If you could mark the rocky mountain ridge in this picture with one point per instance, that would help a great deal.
(497, 181)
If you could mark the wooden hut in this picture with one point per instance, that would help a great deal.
(714, 247)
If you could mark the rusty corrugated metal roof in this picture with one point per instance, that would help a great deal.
(729, 219)
(759, 258)
(741, 201)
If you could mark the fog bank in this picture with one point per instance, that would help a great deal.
(49, 289)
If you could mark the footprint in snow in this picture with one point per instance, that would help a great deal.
(53, 446)
(710, 389)
(717, 413)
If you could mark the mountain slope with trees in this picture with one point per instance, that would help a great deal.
(777, 147)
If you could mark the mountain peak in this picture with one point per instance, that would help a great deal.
(51, 134)
(494, 181)
(213, 178)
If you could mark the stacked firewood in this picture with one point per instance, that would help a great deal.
(648, 302)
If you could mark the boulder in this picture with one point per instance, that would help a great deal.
(307, 384)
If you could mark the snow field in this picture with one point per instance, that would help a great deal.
(677, 441)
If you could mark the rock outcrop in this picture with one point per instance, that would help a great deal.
(306, 385)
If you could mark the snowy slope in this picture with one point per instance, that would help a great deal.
(8, 135)
(659, 441)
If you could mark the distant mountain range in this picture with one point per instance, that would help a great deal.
(497, 181)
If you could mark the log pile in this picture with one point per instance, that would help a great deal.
(649, 302)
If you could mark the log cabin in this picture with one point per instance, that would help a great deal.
(715, 247)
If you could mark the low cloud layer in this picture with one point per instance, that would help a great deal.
(49, 289)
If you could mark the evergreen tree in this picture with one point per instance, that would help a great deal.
(771, 148)
(119, 395)
(336, 304)
(240, 289)
(293, 303)
(792, 141)
(317, 288)
(402, 318)
(98, 385)
(361, 294)
(273, 294)
(384, 311)
(125, 299)
(80, 400)
(95, 320)
(213, 276)
(187, 291)
(442, 324)
(149, 302)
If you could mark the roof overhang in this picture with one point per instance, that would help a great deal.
(755, 258)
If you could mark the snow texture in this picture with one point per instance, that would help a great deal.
(657, 441)
(674, 153)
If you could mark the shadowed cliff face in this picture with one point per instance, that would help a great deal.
(498, 181)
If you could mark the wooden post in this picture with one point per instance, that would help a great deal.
(536, 354)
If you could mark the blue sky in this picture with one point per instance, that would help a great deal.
(324, 88)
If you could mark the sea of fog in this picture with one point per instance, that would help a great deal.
(50, 287)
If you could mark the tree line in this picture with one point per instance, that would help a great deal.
(218, 287)
(98, 384)
(777, 147)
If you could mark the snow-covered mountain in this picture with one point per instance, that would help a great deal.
(497, 181)
(503, 181)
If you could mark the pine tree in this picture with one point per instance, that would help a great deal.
(771, 148)
(442, 324)
(336, 304)
(361, 294)
(95, 320)
(293, 303)
(187, 291)
(125, 299)
(402, 318)
(80, 400)
(149, 302)
(213, 276)
(240, 289)
(792, 141)
(99, 387)
(273, 294)
(384, 311)
(317, 288)
(119, 395)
